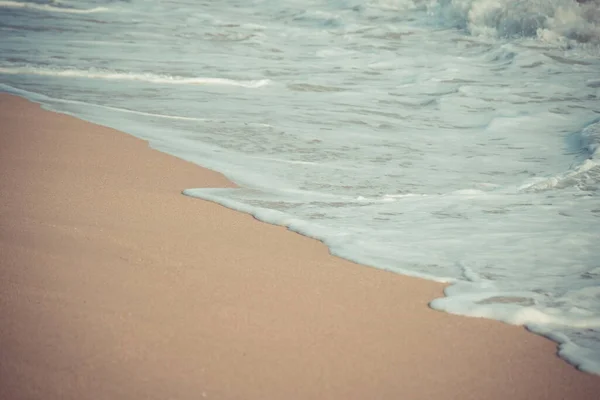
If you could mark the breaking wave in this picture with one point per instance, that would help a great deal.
(590, 139)
(586, 175)
(549, 20)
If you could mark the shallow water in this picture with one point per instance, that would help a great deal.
(453, 140)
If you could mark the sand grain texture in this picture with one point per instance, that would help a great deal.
(116, 286)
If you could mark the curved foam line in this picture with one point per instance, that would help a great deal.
(127, 76)
(46, 7)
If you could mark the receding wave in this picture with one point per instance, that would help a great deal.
(130, 76)
(550, 20)
(43, 99)
(49, 8)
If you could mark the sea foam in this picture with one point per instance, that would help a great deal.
(551, 20)
(49, 8)
(129, 76)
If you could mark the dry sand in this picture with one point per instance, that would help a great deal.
(115, 286)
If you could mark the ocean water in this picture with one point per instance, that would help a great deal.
(455, 140)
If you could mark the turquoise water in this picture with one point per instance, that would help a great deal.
(452, 140)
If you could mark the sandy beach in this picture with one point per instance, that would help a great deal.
(116, 286)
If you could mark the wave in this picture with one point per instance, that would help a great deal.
(585, 176)
(549, 20)
(590, 139)
(129, 76)
(47, 7)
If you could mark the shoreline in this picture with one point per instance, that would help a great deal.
(115, 285)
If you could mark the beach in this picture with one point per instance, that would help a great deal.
(116, 286)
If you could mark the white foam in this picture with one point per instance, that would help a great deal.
(49, 8)
(550, 20)
(130, 76)
(584, 175)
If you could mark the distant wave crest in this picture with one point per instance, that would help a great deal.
(48, 7)
(550, 20)
(128, 76)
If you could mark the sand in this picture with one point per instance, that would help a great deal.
(115, 286)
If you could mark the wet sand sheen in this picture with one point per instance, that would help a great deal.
(115, 286)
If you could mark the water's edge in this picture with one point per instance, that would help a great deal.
(566, 349)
